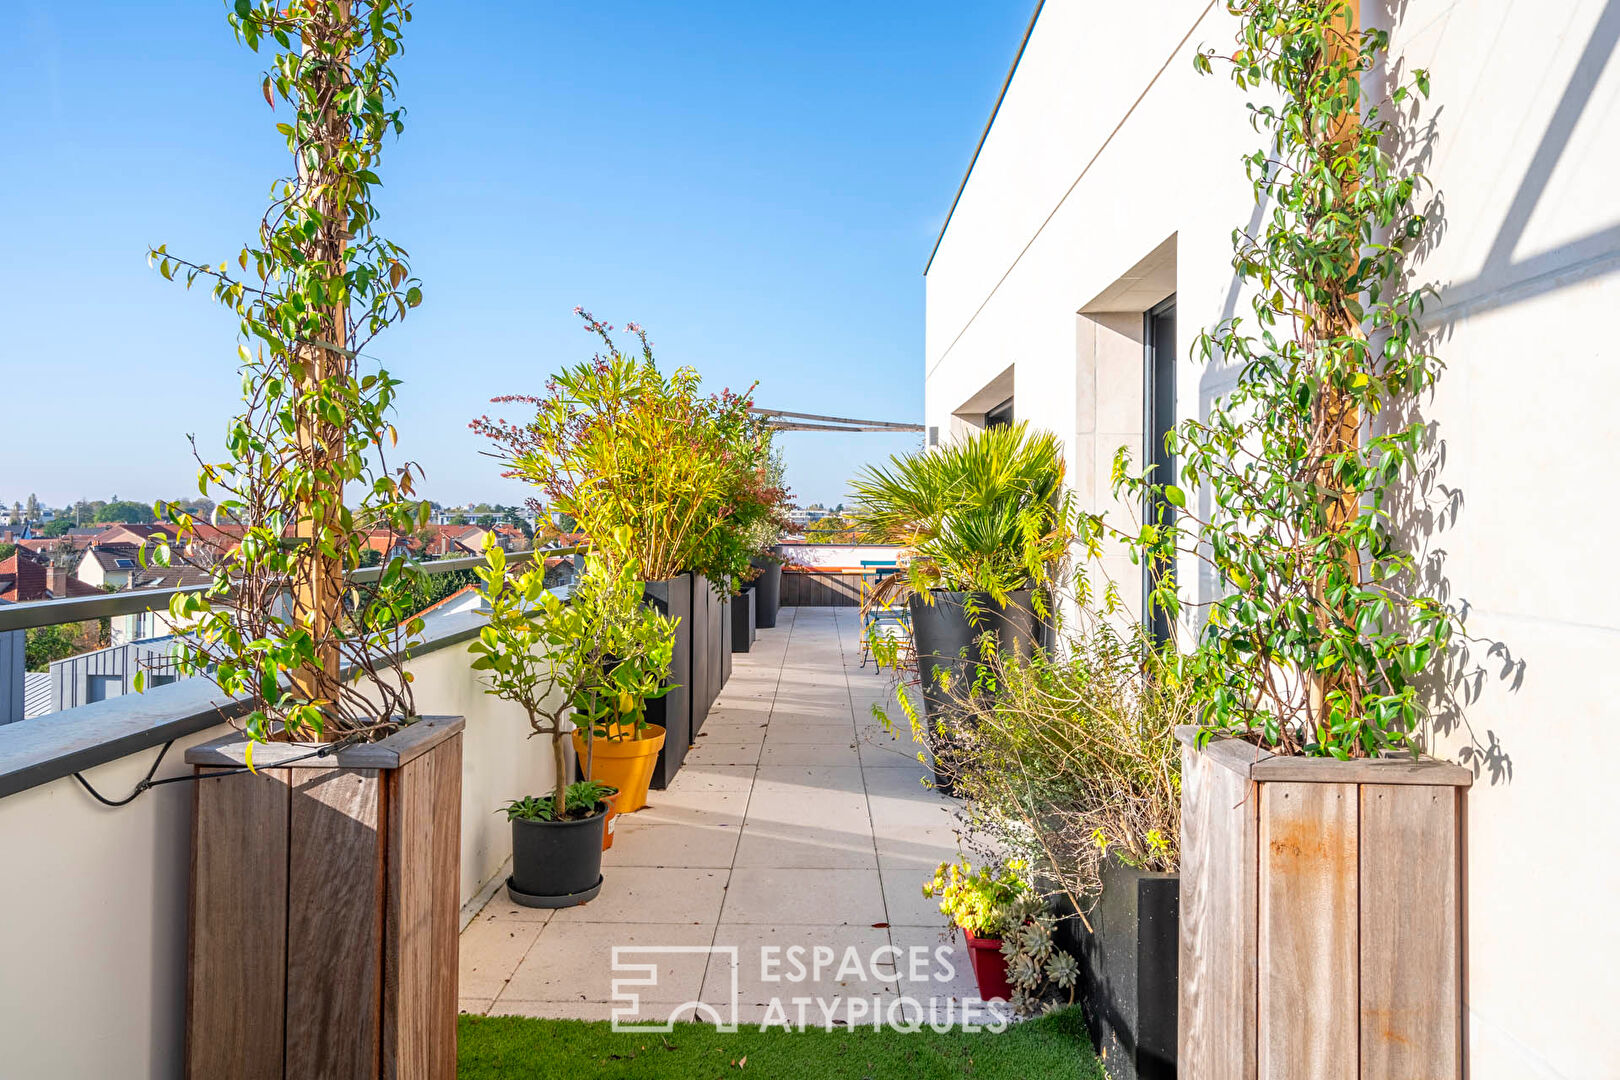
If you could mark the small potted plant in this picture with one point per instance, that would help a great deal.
(1009, 933)
(559, 659)
(557, 846)
(978, 903)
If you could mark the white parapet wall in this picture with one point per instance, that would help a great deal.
(93, 900)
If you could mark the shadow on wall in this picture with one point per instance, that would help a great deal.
(1422, 514)
(1502, 278)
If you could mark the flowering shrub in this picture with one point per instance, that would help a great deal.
(649, 469)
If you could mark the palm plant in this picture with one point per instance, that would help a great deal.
(988, 514)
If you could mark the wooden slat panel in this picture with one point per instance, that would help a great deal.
(1411, 967)
(1402, 770)
(390, 753)
(805, 589)
(1218, 889)
(1308, 929)
(335, 923)
(236, 975)
(422, 939)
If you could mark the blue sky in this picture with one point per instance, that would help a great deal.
(758, 184)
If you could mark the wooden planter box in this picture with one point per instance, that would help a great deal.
(1321, 916)
(324, 909)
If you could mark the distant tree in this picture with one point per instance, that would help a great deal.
(370, 557)
(831, 529)
(486, 521)
(517, 521)
(59, 527)
(31, 511)
(125, 511)
(197, 506)
(47, 643)
(7, 551)
(459, 519)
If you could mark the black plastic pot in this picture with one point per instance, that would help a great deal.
(673, 711)
(556, 864)
(743, 629)
(767, 591)
(1129, 971)
(948, 635)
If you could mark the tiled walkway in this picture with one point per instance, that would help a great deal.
(796, 821)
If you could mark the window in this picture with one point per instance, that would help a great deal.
(1159, 419)
(1000, 416)
(103, 687)
(124, 564)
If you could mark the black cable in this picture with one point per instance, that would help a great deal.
(147, 782)
(140, 787)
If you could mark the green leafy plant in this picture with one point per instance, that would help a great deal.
(979, 901)
(998, 903)
(583, 799)
(986, 514)
(1319, 637)
(316, 653)
(599, 654)
(765, 530)
(645, 465)
(1042, 974)
(1075, 759)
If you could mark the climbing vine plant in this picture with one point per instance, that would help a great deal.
(283, 623)
(1319, 638)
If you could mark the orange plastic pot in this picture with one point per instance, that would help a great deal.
(626, 764)
(612, 802)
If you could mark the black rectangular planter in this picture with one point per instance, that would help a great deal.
(673, 711)
(767, 592)
(1128, 972)
(743, 630)
(722, 626)
(704, 668)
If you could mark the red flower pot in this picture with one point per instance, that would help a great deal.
(989, 967)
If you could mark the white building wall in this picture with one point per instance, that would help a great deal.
(1107, 144)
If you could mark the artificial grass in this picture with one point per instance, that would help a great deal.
(1053, 1047)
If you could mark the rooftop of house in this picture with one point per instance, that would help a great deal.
(125, 558)
(25, 577)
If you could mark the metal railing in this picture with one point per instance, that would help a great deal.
(38, 613)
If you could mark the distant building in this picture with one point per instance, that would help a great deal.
(108, 673)
(801, 517)
(26, 577)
